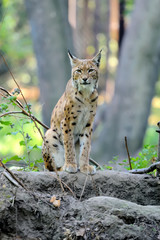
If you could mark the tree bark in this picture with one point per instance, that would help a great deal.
(137, 74)
(52, 37)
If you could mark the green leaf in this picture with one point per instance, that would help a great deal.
(22, 143)
(109, 168)
(30, 147)
(3, 107)
(5, 122)
(12, 133)
(15, 158)
(35, 147)
(12, 98)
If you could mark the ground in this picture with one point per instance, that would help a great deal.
(109, 205)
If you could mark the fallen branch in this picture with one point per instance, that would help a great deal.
(11, 179)
(151, 168)
(13, 176)
(95, 163)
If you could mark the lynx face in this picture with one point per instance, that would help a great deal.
(85, 73)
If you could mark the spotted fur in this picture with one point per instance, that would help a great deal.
(68, 141)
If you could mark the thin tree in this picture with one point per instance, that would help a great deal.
(51, 38)
(137, 74)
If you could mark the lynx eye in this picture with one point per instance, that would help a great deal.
(78, 71)
(90, 70)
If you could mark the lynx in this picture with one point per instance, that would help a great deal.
(68, 141)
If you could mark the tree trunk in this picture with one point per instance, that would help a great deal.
(51, 38)
(137, 74)
(121, 23)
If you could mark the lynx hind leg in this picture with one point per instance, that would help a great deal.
(52, 151)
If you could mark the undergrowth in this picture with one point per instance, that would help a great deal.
(20, 127)
(144, 159)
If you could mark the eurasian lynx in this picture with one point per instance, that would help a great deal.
(68, 141)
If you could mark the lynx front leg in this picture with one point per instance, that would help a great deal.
(85, 147)
(69, 149)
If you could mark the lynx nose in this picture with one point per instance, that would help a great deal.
(84, 79)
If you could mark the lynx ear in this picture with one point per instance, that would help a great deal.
(73, 60)
(97, 58)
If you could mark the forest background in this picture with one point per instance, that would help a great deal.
(34, 39)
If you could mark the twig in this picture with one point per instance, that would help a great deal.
(10, 113)
(95, 163)
(83, 187)
(10, 178)
(22, 185)
(19, 104)
(68, 188)
(151, 168)
(129, 158)
(65, 185)
(8, 93)
(15, 81)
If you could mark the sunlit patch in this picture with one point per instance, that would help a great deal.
(113, 61)
(90, 50)
(156, 102)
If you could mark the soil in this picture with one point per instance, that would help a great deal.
(109, 205)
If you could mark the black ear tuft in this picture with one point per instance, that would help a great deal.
(97, 58)
(69, 53)
(73, 59)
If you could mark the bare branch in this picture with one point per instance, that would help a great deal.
(10, 113)
(151, 168)
(8, 170)
(10, 178)
(95, 163)
(15, 80)
(129, 158)
(19, 104)
(9, 94)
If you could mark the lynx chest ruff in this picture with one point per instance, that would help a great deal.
(83, 118)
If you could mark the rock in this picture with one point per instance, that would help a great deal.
(30, 215)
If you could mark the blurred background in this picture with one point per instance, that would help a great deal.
(35, 36)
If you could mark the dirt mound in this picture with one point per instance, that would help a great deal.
(114, 206)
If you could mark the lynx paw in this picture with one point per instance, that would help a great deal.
(71, 168)
(91, 170)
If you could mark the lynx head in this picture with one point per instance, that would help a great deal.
(85, 72)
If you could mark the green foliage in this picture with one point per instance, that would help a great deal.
(14, 32)
(151, 137)
(129, 7)
(23, 131)
(144, 158)
(114, 160)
